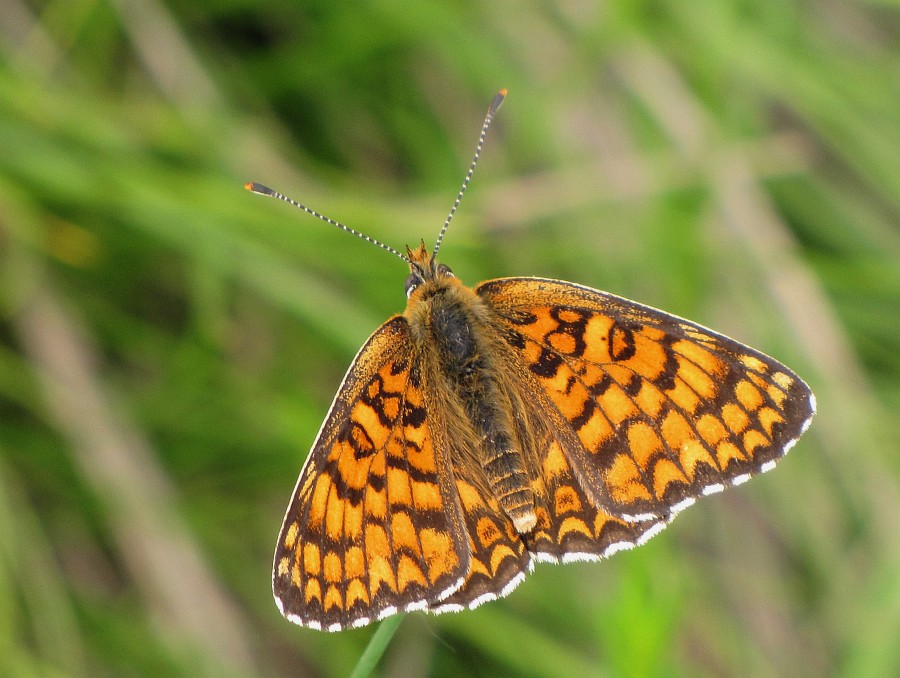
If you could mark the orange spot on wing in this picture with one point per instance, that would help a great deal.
(334, 515)
(754, 364)
(727, 451)
(439, 552)
(643, 443)
(291, 537)
(422, 460)
(319, 500)
(699, 358)
(566, 500)
(573, 524)
(595, 431)
(333, 598)
(312, 591)
(398, 487)
(683, 396)
(711, 430)
(378, 559)
(598, 350)
(753, 440)
(555, 463)
(650, 400)
(354, 562)
(357, 594)
(562, 342)
(625, 482)
(408, 573)
(735, 417)
(748, 395)
(332, 568)
(768, 418)
(427, 496)
(649, 355)
(488, 532)
(353, 520)
(284, 566)
(665, 473)
(403, 532)
(312, 562)
(617, 405)
(469, 496)
(500, 553)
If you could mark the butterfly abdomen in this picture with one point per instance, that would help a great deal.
(452, 326)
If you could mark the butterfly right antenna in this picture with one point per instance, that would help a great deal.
(495, 104)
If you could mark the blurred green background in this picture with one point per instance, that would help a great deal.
(170, 342)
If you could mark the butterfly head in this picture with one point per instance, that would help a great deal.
(424, 269)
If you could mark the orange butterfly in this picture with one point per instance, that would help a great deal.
(524, 420)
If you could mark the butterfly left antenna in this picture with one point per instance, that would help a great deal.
(492, 110)
(254, 187)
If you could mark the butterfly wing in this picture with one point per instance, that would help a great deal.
(373, 526)
(664, 410)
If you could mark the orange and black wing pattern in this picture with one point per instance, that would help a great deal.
(571, 525)
(663, 410)
(499, 559)
(374, 526)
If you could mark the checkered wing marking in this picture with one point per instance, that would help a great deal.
(499, 559)
(373, 527)
(571, 526)
(665, 410)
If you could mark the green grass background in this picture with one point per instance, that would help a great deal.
(169, 343)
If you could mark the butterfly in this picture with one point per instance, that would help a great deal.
(523, 420)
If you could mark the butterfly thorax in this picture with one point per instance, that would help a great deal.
(458, 360)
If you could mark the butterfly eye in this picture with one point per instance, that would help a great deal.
(444, 270)
(413, 280)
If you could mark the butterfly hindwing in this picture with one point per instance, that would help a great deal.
(571, 525)
(665, 410)
(372, 527)
(499, 559)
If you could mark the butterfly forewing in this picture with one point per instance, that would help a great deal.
(372, 527)
(665, 410)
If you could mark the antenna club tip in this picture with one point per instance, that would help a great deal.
(254, 187)
(498, 99)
